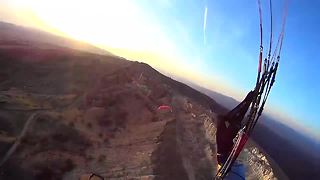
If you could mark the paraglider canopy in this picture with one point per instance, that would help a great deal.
(164, 107)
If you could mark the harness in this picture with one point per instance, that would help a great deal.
(267, 71)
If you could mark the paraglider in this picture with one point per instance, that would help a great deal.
(164, 108)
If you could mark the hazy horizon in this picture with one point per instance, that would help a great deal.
(213, 44)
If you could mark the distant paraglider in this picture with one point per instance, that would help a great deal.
(164, 108)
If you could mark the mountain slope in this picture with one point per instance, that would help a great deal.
(86, 122)
(82, 112)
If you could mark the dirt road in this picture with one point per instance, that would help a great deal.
(18, 140)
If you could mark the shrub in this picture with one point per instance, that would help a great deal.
(100, 134)
(71, 124)
(89, 125)
(89, 158)
(53, 170)
(105, 122)
(101, 158)
(120, 118)
(106, 140)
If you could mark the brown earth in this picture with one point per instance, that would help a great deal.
(109, 124)
(95, 113)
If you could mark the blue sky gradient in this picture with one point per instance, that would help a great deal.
(232, 44)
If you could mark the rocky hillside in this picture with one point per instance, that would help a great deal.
(66, 113)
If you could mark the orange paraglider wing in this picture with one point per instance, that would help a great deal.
(165, 107)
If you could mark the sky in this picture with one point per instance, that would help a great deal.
(212, 43)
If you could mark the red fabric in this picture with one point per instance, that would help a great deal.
(164, 107)
(243, 141)
(224, 138)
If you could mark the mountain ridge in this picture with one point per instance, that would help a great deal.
(12, 34)
(300, 146)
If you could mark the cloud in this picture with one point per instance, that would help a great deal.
(205, 24)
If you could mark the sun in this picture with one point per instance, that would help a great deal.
(117, 24)
(122, 27)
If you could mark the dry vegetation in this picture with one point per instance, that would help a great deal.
(99, 114)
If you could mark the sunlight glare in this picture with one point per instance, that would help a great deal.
(118, 24)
